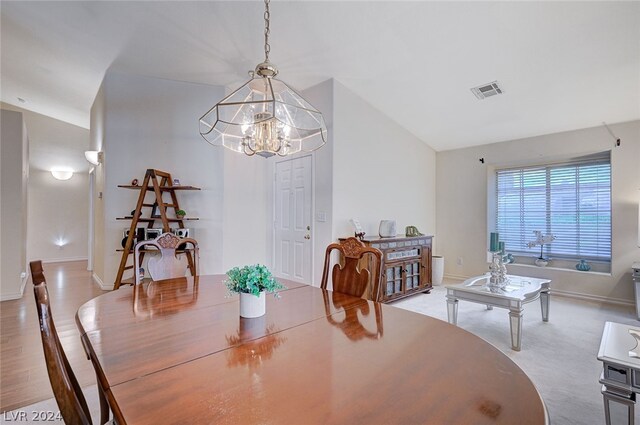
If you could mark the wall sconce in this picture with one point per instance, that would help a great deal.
(94, 157)
(60, 174)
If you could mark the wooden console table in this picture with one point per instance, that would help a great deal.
(406, 265)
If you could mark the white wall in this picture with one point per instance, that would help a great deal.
(58, 207)
(380, 170)
(462, 204)
(57, 216)
(14, 177)
(356, 168)
(96, 143)
(321, 96)
(245, 210)
(153, 123)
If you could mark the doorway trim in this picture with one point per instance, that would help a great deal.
(313, 209)
(90, 235)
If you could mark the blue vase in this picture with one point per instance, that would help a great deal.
(583, 266)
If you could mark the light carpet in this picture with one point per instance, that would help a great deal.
(559, 356)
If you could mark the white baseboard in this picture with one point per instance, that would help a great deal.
(456, 277)
(17, 295)
(568, 294)
(101, 283)
(64, 260)
(12, 296)
(589, 297)
(24, 282)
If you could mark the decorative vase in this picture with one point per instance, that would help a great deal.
(252, 306)
(541, 262)
(583, 266)
(387, 229)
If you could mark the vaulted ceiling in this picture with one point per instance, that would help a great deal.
(563, 65)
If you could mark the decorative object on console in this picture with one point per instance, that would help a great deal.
(541, 240)
(180, 214)
(583, 266)
(251, 282)
(412, 231)
(387, 229)
(134, 182)
(264, 116)
(176, 182)
(358, 230)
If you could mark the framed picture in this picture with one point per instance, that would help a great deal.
(155, 210)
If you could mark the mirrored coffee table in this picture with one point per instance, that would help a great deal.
(518, 291)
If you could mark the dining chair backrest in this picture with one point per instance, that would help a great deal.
(354, 277)
(67, 391)
(171, 263)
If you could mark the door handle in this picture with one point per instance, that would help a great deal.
(307, 236)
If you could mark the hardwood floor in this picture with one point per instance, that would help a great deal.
(23, 373)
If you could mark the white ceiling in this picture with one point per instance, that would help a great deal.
(563, 65)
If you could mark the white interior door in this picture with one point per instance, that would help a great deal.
(292, 224)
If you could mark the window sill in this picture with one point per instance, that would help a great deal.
(597, 268)
(562, 269)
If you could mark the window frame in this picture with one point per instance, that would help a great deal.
(547, 166)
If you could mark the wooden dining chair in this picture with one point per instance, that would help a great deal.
(67, 391)
(351, 277)
(169, 264)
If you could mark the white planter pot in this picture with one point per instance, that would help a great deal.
(541, 262)
(252, 306)
(437, 269)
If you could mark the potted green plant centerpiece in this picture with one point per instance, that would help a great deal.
(180, 214)
(251, 282)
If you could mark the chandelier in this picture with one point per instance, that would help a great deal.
(264, 116)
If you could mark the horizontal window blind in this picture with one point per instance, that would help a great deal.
(571, 201)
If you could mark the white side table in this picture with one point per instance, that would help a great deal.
(620, 376)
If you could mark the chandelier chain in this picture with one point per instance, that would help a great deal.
(267, 18)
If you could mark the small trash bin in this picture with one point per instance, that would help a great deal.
(437, 269)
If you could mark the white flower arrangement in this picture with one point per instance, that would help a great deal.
(541, 240)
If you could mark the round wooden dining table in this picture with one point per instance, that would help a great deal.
(177, 352)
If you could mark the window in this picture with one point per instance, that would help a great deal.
(571, 200)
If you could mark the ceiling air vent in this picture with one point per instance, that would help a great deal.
(486, 90)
